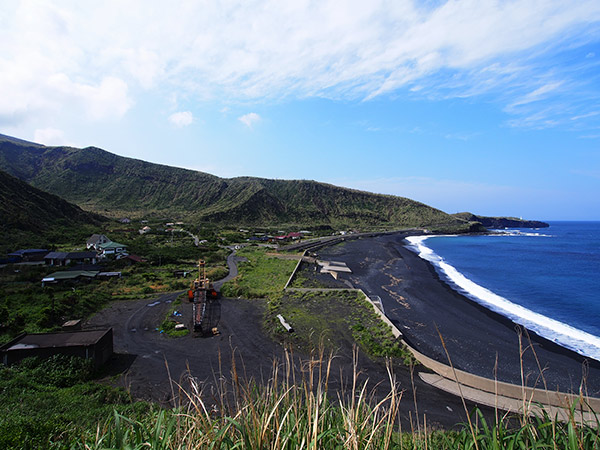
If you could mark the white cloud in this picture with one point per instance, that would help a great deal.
(250, 119)
(537, 94)
(49, 136)
(250, 50)
(181, 119)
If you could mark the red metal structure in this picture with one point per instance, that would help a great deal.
(206, 309)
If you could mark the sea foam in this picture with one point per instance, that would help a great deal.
(565, 335)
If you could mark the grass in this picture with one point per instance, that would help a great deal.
(261, 275)
(168, 325)
(295, 409)
(330, 318)
(49, 403)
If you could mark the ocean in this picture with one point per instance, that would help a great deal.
(546, 279)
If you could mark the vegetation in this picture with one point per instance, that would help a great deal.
(331, 317)
(168, 325)
(35, 219)
(261, 274)
(297, 411)
(27, 306)
(500, 222)
(100, 181)
(51, 403)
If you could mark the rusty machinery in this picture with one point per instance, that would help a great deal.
(206, 306)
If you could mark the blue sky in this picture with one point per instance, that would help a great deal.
(483, 106)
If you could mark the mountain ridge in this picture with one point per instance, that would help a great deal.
(106, 183)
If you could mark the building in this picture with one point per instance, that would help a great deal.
(96, 345)
(95, 240)
(66, 258)
(69, 276)
(29, 254)
(145, 230)
(112, 250)
(135, 259)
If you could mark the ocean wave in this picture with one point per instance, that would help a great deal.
(509, 232)
(565, 335)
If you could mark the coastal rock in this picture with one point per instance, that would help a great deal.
(501, 222)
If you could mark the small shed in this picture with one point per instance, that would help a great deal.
(96, 345)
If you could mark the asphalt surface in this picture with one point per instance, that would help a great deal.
(149, 362)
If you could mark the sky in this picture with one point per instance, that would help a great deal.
(491, 107)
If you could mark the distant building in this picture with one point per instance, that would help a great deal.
(73, 276)
(66, 258)
(145, 230)
(125, 220)
(96, 345)
(95, 240)
(29, 254)
(135, 259)
(112, 249)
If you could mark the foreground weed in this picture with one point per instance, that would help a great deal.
(294, 409)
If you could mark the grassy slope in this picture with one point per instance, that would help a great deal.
(24, 207)
(30, 217)
(101, 181)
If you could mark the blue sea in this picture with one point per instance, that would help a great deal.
(546, 279)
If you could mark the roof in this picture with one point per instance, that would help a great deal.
(56, 255)
(70, 255)
(135, 258)
(112, 245)
(28, 251)
(70, 274)
(62, 339)
(82, 255)
(95, 238)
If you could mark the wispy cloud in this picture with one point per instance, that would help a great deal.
(54, 53)
(250, 119)
(538, 94)
(181, 119)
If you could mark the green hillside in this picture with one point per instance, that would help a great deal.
(32, 217)
(100, 181)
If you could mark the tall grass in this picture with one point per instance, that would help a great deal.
(295, 409)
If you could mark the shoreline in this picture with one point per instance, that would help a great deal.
(480, 341)
(554, 330)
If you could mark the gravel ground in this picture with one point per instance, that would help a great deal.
(143, 354)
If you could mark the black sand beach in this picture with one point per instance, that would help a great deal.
(478, 340)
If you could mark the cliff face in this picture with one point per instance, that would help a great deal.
(501, 222)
